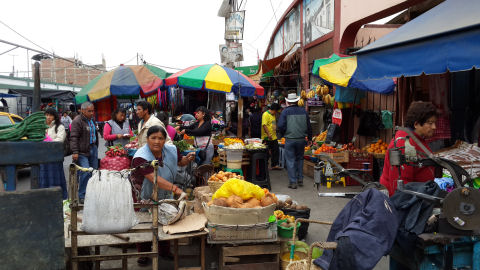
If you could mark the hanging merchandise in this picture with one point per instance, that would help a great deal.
(387, 119)
(370, 123)
(162, 100)
(337, 117)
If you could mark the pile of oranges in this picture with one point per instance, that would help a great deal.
(380, 147)
(325, 149)
(230, 141)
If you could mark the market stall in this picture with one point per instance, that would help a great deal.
(216, 78)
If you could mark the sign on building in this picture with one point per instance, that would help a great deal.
(231, 52)
(234, 25)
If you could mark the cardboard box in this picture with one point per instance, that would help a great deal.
(238, 216)
(339, 157)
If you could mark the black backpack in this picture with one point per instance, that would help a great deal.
(67, 151)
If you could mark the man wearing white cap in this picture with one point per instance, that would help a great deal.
(294, 125)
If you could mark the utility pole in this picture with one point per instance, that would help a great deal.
(13, 65)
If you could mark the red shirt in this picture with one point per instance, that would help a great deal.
(409, 174)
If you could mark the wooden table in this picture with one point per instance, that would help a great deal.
(110, 240)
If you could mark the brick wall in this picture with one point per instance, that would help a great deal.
(62, 71)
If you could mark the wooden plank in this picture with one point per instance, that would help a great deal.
(231, 259)
(253, 266)
(17, 153)
(86, 258)
(251, 250)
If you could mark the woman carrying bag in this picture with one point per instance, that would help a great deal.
(202, 130)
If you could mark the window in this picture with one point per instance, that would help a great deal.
(17, 119)
(5, 120)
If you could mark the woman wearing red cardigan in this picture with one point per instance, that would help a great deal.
(421, 118)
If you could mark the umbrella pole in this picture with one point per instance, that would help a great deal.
(208, 100)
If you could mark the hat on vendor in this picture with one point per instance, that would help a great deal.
(292, 98)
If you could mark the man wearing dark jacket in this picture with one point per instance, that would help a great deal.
(294, 125)
(84, 145)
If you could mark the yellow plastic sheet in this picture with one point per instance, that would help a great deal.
(241, 188)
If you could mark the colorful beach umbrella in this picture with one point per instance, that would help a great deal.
(123, 81)
(215, 78)
(340, 70)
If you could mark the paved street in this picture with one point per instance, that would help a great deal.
(325, 209)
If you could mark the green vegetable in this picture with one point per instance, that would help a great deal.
(182, 145)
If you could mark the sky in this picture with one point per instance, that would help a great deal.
(170, 33)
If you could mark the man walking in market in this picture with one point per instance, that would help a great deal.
(269, 133)
(84, 145)
(294, 125)
(147, 120)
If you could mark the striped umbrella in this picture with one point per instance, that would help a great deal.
(123, 81)
(340, 70)
(214, 77)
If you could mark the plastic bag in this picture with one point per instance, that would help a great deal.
(108, 203)
(170, 211)
(241, 188)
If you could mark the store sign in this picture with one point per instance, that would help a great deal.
(317, 18)
(234, 25)
(231, 52)
(248, 70)
(337, 117)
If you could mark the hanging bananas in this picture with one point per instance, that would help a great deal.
(301, 102)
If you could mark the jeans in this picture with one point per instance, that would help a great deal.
(86, 162)
(294, 160)
(274, 152)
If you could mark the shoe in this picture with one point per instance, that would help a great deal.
(292, 186)
(142, 261)
(300, 183)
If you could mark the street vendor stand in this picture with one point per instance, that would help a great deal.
(146, 231)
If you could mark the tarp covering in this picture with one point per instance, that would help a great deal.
(445, 38)
(52, 94)
(340, 71)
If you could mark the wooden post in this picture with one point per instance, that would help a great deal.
(240, 117)
(73, 218)
(124, 259)
(155, 216)
(36, 88)
(202, 251)
(175, 254)
(97, 263)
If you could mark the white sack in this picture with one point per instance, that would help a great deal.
(108, 204)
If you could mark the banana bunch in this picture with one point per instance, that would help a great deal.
(327, 99)
(303, 94)
(322, 90)
(311, 94)
(301, 102)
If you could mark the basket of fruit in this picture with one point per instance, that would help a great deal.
(216, 181)
(285, 227)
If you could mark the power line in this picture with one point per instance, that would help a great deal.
(25, 37)
(48, 54)
(275, 15)
(265, 28)
(165, 66)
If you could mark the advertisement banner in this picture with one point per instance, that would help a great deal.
(317, 18)
(234, 25)
(231, 52)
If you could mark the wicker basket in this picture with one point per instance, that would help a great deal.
(214, 185)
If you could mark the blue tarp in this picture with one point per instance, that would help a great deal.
(445, 38)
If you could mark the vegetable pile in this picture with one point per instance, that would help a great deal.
(222, 176)
(183, 146)
(116, 151)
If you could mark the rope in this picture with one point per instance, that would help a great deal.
(32, 127)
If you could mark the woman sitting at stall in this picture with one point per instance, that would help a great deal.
(117, 130)
(52, 174)
(202, 130)
(421, 118)
(169, 159)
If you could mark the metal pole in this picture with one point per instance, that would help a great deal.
(36, 88)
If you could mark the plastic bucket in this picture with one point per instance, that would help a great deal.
(234, 154)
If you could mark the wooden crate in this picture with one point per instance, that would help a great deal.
(251, 257)
(308, 169)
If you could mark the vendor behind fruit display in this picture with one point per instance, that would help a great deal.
(202, 130)
(117, 130)
(421, 119)
(169, 159)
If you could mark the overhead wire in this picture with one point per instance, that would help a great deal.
(6, 25)
(268, 23)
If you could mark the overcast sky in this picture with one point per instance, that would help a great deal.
(172, 33)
